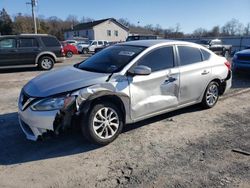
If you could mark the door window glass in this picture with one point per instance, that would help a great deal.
(206, 54)
(27, 43)
(189, 55)
(7, 43)
(50, 41)
(159, 59)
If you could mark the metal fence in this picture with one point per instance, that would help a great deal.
(238, 43)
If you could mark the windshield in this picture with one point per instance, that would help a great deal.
(111, 59)
(203, 42)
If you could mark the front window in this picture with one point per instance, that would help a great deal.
(111, 59)
(158, 59)
(7, 43)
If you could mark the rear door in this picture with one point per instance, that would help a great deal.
(8, 51)
(158, 91)
(195, 74)
(28, 49)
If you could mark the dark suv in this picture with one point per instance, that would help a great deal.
(30, 49)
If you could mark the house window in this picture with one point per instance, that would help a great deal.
(87, 32)
(116, 33)
(109, 32)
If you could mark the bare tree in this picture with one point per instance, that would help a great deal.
(125, 22)
(232, 28)
(215, 32)
(86, 19)
(23, 24)
(247, 29)
(72, 19)
(200, 32)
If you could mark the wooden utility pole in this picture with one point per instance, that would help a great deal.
(33, 5)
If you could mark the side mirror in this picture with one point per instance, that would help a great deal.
(140, 70)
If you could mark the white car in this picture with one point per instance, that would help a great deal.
(91, 46)
(72, 42)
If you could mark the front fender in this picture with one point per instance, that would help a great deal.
(91, 94)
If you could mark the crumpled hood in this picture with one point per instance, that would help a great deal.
(62, 80)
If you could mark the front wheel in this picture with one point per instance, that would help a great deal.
(211, 95)
(103, 124)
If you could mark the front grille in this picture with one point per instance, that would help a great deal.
(25, 100)
(243, 58)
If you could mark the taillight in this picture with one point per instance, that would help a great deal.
(228, 64)
(62, 50)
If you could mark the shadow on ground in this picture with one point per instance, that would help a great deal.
(241, 80)
(15, 148)
(17, 70)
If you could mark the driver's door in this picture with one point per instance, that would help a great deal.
(93, 46)
(158, 91)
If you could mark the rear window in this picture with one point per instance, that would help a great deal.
(206, 54)
(50, 41)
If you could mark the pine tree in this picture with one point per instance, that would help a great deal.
(5, 23)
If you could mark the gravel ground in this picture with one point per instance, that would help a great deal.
(186, 148)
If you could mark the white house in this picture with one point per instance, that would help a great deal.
(106, 29)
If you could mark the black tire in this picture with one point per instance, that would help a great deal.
(85, 51)
(46, 62)
(69, 54)
(88, 124)
(209, 100)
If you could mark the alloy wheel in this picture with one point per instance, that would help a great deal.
(46, 63)
(212, 94)
(105, 123)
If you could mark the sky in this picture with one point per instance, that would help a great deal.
(189, 14)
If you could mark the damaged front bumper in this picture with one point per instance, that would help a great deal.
(36, 123)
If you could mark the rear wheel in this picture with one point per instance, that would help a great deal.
(46, 63)
(211, 95)
(103, 124)
(69, 54)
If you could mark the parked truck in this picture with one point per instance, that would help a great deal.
(217, 47)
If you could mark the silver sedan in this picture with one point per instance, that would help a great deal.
(122, 84)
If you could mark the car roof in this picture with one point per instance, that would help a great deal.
(148, 43)
(27, 35)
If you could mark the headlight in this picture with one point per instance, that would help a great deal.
(49, 104)
(235, 56)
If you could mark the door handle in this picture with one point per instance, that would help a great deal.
(170, 79)
(205, 72)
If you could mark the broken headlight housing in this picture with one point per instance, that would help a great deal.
(54, 103)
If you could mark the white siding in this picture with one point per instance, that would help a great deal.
(100, 32)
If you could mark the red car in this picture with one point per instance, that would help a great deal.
(69, 49)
